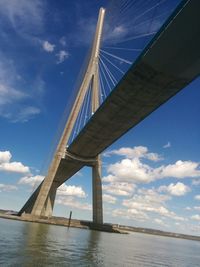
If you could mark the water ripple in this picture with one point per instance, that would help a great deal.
(31, 244)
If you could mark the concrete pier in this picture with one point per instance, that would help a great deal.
(97, 192)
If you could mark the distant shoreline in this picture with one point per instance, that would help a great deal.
(112, 228)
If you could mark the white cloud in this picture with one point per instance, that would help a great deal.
(85, 30)
(196, 182)
(32, 181)
(63, 190)
(7, 166)
(160, 222)
(167, 145)
(17, 167)
(71, 202)
(196, 217)
(197, 197)
(109, 179)
(15, 101)
(145, 204)
(118, 30)
(17, 96)
(26, 114)
(146, 198)
(119, 189)
(128, 171)
(153, 157)
(62, 56)
(48, 47)
(135, 152)
(7, 187)
(195, 228)
(79, 173)
(63, 41)
(134, 170)
(151, 202)
(8, 94)
(178, 189)
(25, 16)
(109, 199)
(132, 214)
(71, 190)
(5, 156)
(193, 208)
(181, 169)
(114, 34)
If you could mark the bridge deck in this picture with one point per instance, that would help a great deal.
(167, 65)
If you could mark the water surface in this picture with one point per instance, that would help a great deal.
(33, 244)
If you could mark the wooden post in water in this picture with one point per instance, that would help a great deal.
(69, 221)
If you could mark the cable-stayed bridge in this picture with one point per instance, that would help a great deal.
(169, 62)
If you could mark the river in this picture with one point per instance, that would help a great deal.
(32, 244)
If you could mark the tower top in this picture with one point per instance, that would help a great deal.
(98, 34)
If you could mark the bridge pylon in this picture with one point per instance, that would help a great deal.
(41, 202)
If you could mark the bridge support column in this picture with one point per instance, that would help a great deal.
(44, 203)
(49, 204)
(97, 192)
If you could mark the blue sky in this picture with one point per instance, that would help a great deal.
(151, 176)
